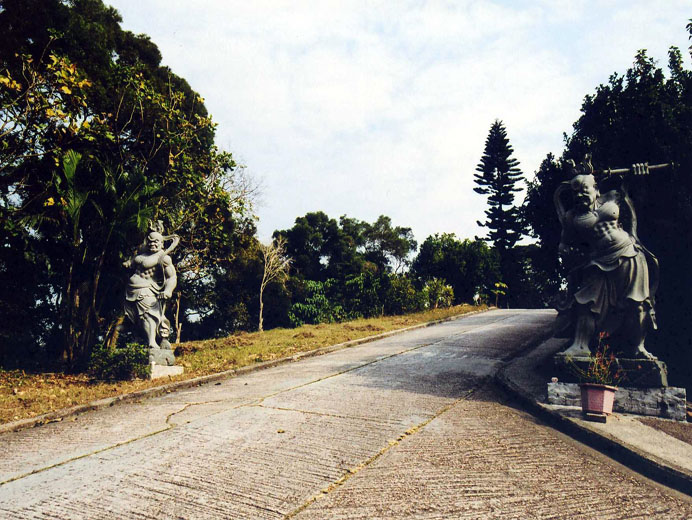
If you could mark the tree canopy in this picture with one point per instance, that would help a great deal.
(470, 267)
(322, 247)
(497, 177)
(98, 139)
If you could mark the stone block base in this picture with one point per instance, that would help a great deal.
(639, 373)
(158, 371)
(162, 356)
(667, 402)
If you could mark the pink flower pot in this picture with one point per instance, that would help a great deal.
(597, 398)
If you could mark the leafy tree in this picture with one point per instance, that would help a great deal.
(322, 247)
(402, 296)
(100, 137)
(356, 258)
(437, 293)
(363, 294)
(540, 215)
(468, 266)
(497, 178)
(388, 247)
(317, 306)
(319, 248)
(227, 299)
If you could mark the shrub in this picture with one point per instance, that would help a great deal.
(317, 307)
(438, 293)
(121, 363)
(402, 297)
(362, 295)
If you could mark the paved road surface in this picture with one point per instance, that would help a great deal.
(405, 427)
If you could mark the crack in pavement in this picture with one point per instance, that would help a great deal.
(258, 402)
(350, 472)
(324, 414)
(95, 452)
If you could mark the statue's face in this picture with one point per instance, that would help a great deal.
(585, 191)
(155, 242)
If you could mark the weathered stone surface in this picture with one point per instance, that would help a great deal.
(638, 373)
(564, 394)
(668, 402)
(643, 373)
(161, 356)
(160, 370)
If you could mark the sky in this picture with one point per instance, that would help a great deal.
(368, 108)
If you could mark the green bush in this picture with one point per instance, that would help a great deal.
(362, 295)
(438, 293)
(119, 364)
(317, 307)
(402, 297)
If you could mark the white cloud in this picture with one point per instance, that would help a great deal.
(366, 108)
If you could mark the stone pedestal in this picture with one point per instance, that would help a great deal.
(162, 361)
(162, 356)
(637, 373)
(158, 371)
(643, 373)
(668, 402)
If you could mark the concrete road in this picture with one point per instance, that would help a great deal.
(404, 427)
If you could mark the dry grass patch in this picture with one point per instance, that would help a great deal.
(24, 394)
(680, 430)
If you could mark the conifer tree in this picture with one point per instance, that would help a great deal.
(498, 176)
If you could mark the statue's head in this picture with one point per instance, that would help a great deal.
(583, 183)
(584, 190)
(155, 241)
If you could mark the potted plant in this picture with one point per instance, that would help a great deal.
(598, 382)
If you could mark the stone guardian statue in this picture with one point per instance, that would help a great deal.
(150, 286)
(613, 284)
(613, 278)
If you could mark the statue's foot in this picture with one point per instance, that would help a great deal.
(576, 350)
(641, 353)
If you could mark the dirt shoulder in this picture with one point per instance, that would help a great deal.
(26, 394)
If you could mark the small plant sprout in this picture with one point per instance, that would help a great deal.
(500, 289)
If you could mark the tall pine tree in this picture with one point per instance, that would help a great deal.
(497, 177)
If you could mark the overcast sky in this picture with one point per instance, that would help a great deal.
(366, 108)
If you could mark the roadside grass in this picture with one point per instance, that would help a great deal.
(25, 394)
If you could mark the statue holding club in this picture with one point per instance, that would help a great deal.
(613, 278)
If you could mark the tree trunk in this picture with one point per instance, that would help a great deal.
(261, 309)
(114, 332)
(177, 324)
(67, 313)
